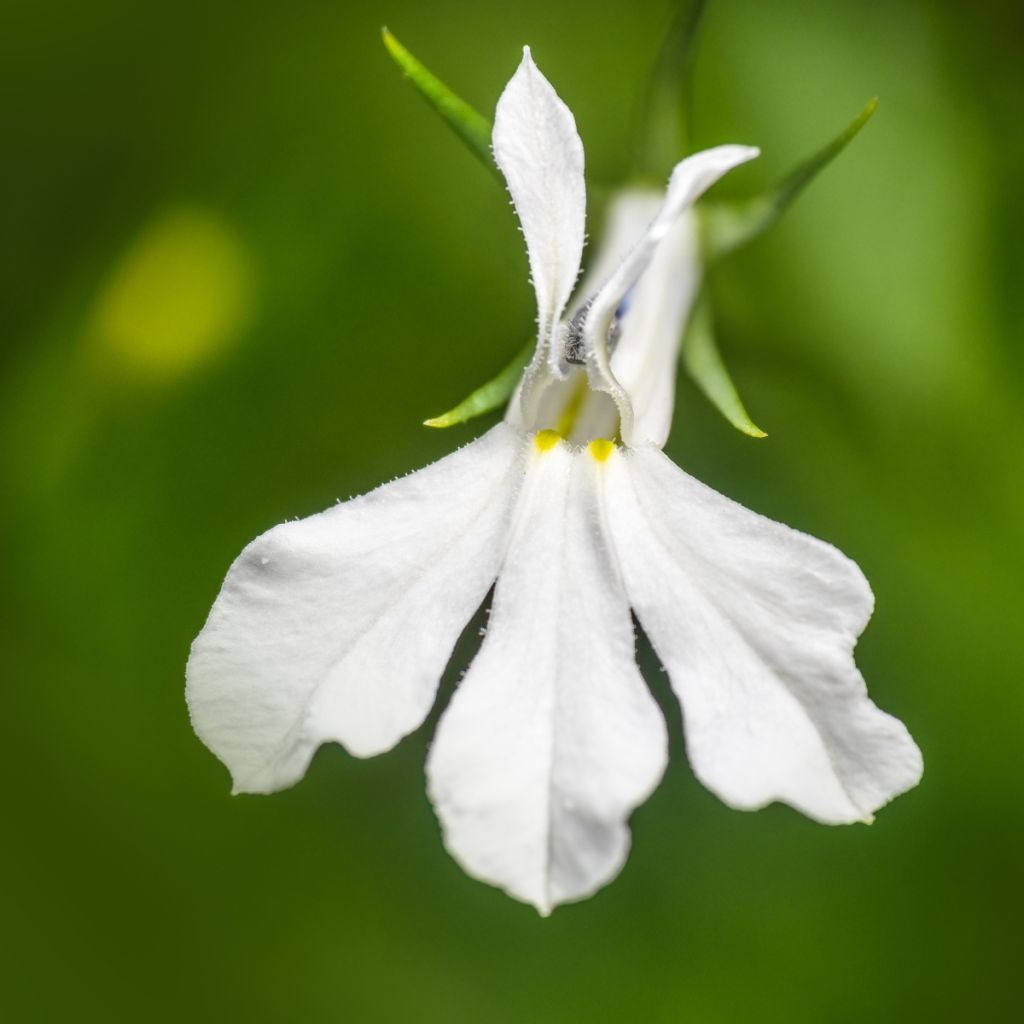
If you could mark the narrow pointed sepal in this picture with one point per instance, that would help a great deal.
(726, 227)
(704, 365)
(495, 393)
(469, 125)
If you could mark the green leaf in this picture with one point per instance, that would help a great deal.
(488, 396)
(665, 127)
(704, 364)
(728, 226)
(473, 128)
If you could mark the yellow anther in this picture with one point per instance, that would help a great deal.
(601, 448)
(547, 439)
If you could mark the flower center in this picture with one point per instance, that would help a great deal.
(571, 407)
(573, 410)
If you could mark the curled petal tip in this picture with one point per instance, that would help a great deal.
(742, 154)
(728, 155)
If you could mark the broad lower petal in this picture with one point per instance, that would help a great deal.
(539, 152)
(756, 624)
(338, 627)
(552, 739)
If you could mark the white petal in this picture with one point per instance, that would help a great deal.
(539, 152)
(651, 324)
(756, 624)
(690, 179)
(645, 359)
(630, 213)
(552, 739)
(338, 627)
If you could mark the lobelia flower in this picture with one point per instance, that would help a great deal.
(338, 627)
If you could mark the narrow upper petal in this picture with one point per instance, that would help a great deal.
(756, 624)
(650, 318)
(645, 361)
(552, 738)
(338, 627)
(689, 180)
(539, 152)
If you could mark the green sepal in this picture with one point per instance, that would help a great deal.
(726, 227)
(704, 364)
(488, 396)
(473, 128)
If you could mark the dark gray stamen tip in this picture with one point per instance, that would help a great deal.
(574, 352)
(574, 335)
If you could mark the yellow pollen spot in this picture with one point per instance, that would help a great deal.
(547, 439)
(600, 448)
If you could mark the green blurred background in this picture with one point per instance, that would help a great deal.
(242, 261)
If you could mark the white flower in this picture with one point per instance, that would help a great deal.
(338, 627)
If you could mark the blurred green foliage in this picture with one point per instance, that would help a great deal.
(256, 183)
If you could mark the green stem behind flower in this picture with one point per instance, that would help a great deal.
(664, 133)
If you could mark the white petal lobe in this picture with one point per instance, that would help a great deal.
(539, 152)
(552, 739)
(756, 624)
(338, 626)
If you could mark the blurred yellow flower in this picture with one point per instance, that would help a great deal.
(180, 295)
